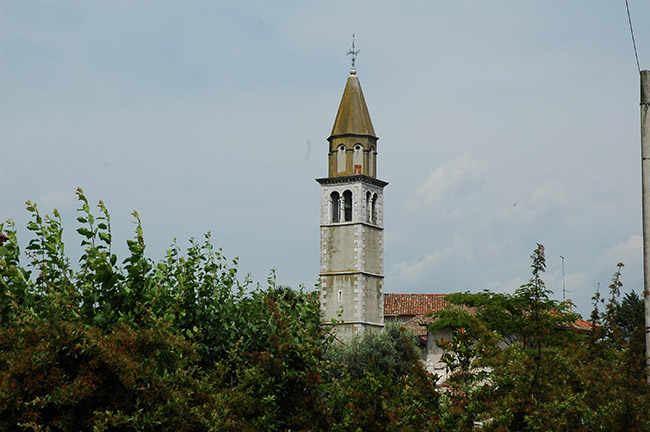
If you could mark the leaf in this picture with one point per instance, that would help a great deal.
(85, 232)
(100, 319)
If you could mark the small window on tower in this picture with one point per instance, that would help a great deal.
(368, 206)
(374, 208)
(339, 296)
(335, 205)
(347, 205)
(340, 159)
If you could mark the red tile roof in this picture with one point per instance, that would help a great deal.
(417, 305)
(413, 304)
(581, 324)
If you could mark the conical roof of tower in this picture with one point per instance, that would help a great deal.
(353, 116)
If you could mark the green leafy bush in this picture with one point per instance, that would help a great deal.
(183, 344)
(144, 345)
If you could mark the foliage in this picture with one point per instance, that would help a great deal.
(517, 363)
(529, 317)
(184, 344)
(629, 314)
(380, 384)
(620, 400)
(390, 352)
(64, 377)
(147, 345)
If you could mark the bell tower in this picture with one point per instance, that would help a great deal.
(352, 226)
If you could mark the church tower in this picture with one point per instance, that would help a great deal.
(351, 228)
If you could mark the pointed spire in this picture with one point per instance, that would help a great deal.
(353, 116)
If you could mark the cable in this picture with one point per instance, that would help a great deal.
(629, 19)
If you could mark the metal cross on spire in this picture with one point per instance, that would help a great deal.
(353, 52)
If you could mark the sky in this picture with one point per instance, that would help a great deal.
(501, 125)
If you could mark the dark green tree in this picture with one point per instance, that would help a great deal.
(136, 345)
(377, 382)
(629, 314)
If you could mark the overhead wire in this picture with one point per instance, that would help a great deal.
(629, 20)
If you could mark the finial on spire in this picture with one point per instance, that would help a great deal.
(354, 54)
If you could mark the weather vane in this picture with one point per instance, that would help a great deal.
(353, 52)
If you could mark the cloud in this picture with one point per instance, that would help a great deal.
(448, 183)
(594, 271)
(506, 287)
(577, 285)
(627, 252)
(433, 265)
(630, 253)
(56, 199)
(550, 193)
(412, 272)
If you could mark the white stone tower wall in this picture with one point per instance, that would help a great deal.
(352, 260)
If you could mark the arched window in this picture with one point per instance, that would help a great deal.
(335, 205)
(340, 159)
(374, 208)
(368, 207)
(357, 159)
(372, 162)
(347, 205)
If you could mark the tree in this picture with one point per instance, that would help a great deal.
(511, 358)
(378, 382)
(391, 352)
(629, 314)
(176, 345)
(619, 398)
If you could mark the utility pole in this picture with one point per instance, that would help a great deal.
(645, 198)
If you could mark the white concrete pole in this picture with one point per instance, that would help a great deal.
(645, 188)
